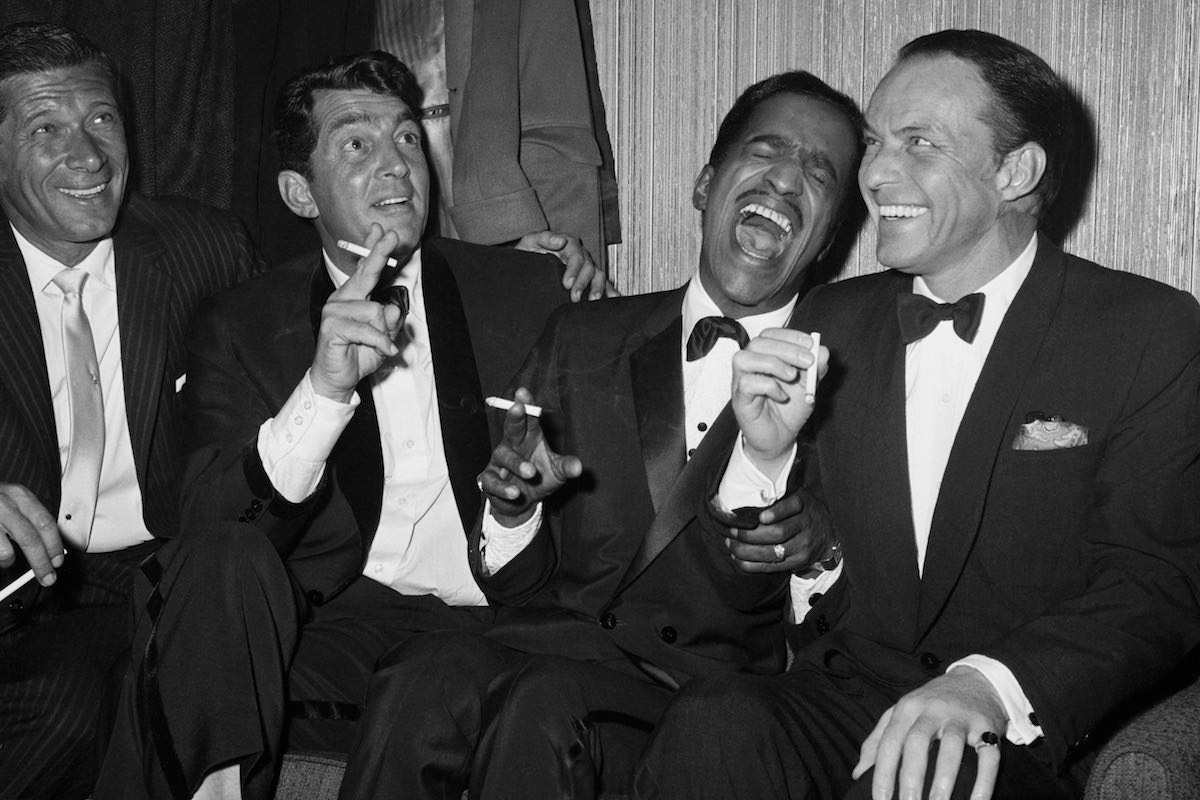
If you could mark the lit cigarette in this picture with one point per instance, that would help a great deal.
(17, 584)
(810, 374)
(362, 252)
(505, 405)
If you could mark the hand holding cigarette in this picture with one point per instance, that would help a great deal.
(356, 334)
(26, 525)
(774, 387)
(523, 469)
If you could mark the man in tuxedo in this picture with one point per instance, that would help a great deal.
(96, 288)
(612, 586)
(1010, 450)
(336, 420)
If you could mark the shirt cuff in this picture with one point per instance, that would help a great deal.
(295, 444)
(744, 484)
(806, 591)
(1021, 727)
(500, 545)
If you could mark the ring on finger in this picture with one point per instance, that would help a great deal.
(780, 553)
(987, 739)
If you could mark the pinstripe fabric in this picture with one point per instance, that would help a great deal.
(170, 254)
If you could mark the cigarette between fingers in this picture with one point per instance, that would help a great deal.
(362, 252)
(505, 405)
(810, 374)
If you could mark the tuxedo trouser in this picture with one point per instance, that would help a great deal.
(456, 711)
(60, 669)
(797, 735)
(226, 648)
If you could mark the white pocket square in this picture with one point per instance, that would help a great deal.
(179, 382)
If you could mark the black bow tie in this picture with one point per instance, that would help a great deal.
(393, 295)
(708, 330)
(919, 315)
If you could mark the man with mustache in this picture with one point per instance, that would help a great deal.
(1011, 459)
(613, 586)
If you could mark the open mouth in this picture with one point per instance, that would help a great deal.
(895, 212)
(762, 232)
(84, 194)
(391, 202)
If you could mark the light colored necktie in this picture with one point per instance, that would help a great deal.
(81, 476)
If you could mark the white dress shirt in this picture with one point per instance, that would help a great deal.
(707, 385)
(420, 546)
(119, 521)
(940, 373)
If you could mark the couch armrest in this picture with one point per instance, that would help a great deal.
(1155, 756)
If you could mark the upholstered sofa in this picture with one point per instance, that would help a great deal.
(1155, 756)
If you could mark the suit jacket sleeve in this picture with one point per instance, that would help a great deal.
(1137, 614)
(224, 406)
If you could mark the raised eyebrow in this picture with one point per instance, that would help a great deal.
(349, 119)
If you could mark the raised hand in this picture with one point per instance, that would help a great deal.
(356, 333)
(768, 394)
(26, 525)
(523, 469)
(957, 708)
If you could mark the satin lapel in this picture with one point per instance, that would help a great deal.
(985, 429)
(465, 437)
(686, 494)
(144, 313)
(657, 379)
(24, 353)
(357, 458)
(874, 441)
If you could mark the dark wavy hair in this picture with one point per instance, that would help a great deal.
(1032, 103)
(27, 47)
(374, 71)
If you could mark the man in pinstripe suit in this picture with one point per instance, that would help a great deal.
(63, 168)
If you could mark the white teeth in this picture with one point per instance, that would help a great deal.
(392, 201)
(95, 190)
(893, 212)
(783, 222)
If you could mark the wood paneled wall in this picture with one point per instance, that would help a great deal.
(669, 70)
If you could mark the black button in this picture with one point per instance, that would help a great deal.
(1033, 720)
(256, 505)
(608, 621)
(250, 515)
(929, 661)
(691, 452)
(315, 597)
(814, 598)
(242, 518)
(16, 606)
(822, 624)
(668, 635)
(703, 426)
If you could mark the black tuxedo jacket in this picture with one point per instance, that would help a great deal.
(250, 347)
(169, 255)
(622, 567)
(1076, 568)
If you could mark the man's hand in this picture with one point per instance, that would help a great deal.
(956, 708)
(523, 469)
(798, 521)
(26, 524)
(581, 275)
(356, 334)
(768, 394)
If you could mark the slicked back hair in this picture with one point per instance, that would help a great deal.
(796, 82)
(1031, 102)
(374, 71)
(29, 47)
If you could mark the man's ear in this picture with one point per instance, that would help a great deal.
(1021, 171)
(700, 190)
(293, 188)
